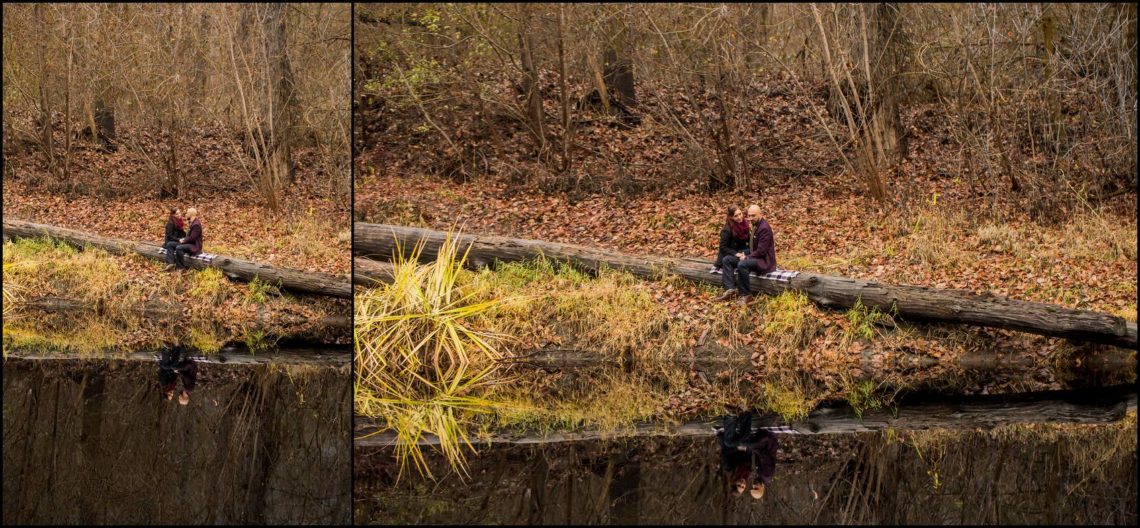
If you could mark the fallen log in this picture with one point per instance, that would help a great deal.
(1095, 406)
(294, 280)
(367, 272)
(236, 357)
(380, 241)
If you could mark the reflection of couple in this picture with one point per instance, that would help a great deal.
(749, 457)
(173, 363)
(178, 242)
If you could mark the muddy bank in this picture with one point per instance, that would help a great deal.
(1087, 476)
(94, 442)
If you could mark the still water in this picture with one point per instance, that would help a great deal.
(1078, 475)
(96, 441)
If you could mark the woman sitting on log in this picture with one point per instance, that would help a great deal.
(190, 244)
(175, 229)
(733, 237)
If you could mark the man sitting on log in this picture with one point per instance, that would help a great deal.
(760, 259)
(191, 244)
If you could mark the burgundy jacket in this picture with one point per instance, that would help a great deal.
(194, 237)
(763, 247)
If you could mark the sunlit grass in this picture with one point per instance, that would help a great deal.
(43, 266)
(207, 285)
(790, 320)
(610, 313)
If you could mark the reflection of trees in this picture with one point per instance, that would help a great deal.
(1013, 475)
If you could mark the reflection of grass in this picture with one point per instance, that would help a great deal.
(606, 401)
(420, 362)
(205, 339)
(87, 337)
(789, 400)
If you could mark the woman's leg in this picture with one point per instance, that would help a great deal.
(170, 247)
(729, 263)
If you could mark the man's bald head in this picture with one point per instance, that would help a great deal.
(754, 213)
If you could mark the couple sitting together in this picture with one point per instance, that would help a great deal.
(746, 245)
(179, 242)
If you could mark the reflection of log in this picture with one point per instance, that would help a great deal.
(916, 302)
(299, 281)
(237, 357)
(368, 272)
(1100, 405)
(1111, 359)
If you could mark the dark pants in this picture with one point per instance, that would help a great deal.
(728, 271)
(742, 279)
(737, 429)
(175, 254)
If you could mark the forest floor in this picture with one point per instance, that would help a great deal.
(953, 234)
(119, 196)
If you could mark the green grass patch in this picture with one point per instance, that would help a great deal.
(864, 321)
(259, 291)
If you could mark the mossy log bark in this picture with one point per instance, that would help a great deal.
(1096, 406)
(245, 270)
(379, 241)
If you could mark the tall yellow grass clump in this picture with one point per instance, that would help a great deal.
(421, 364)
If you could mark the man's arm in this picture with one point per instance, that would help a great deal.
(763, 242)
(195, 234)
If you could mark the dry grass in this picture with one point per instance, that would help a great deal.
(610, 313)
(40, 266)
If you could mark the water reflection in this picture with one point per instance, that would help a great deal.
(89, 441)
(1063, 474)
(748, 456)
(175, 362)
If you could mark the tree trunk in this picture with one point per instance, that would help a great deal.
(567, 133)
(619, 71)
(917, 302)
(279, 108)
(530, 79)
(1094, 406)
(298, 281)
